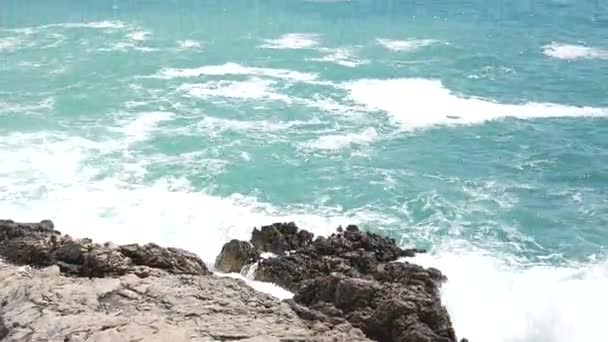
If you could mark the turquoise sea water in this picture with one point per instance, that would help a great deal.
(476, 129)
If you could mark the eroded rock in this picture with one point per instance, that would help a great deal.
(352, 277)
(234, 255)
(43, 305)
(280, 238)
(39, 244)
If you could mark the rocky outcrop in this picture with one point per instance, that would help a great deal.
(41, 305)
(353, 277)
(279, 238)
(39, 244)
(348, 287)
(82, 291)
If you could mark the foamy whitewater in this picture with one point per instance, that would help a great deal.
(475, 130)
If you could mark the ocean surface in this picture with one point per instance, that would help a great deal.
(476, 129)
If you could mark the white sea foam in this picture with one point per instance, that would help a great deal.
(292, 41)
(138, 36)
(268, 288)
(140, 128)
(572, 52)
(43, 105)
(10, 44)
(188, 44)
(405, 45)
(245, 156)
(127, 46)
(341, 141)
(495, 301)
(212, 124)
(253, 88)
(340, 56)
(88, 192)
(420, 103)
(105, 24)
(235, 69)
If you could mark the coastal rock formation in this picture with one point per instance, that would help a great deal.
(43, 305)
(353, 277)
(39, 244)
(348, 287)
(77, 290)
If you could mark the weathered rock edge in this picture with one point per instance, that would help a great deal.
(81, 291)
(349, 276)
(40, 245)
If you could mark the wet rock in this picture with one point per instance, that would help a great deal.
(384, 311)
(234, 255)
(279, 238)
(349, 251)
(353, 277)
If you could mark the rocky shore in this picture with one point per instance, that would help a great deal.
(347, 287)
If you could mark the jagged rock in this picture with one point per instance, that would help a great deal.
(279, 238)
(44, 305)
(234, 255)
(349, 251)
(353, 277)
(172, 260)
(384, 311)
(39, 244)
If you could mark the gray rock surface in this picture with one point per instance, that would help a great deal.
(44, 305)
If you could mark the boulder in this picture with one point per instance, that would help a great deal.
(235, 255)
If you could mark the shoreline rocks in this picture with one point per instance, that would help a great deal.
(347, 287)
(39, 244)
(351, 277)
(77, 290)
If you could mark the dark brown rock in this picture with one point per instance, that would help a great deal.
(234, 255)
(172, 260)
(350, 252)
(38, 244)
(279, 238)
(354, 277)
